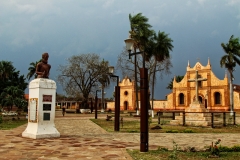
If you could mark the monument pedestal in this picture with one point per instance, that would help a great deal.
(194, 119)
(41, 109)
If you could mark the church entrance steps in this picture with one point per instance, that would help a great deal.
(209, 118)
(195, 122)
(195, 119)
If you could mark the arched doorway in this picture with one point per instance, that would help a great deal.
(181, 98)
(217, 98)
(125, 105)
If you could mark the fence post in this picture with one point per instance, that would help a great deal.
(224, 118)
(183, 118)
(158, 117)
(212, 119)
(173, 116)
(234, 118)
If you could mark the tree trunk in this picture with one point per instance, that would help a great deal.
(231, 96)
(153, 84)
(136, 88)
(102, 110)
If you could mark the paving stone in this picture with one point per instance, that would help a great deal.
(81, 139)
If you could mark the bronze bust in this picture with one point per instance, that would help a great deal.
(43, 68)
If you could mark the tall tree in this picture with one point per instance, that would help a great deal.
(159, 47)
(229, 61)
(82, 74)
(104, 80)
(32, 70)
(140, 32)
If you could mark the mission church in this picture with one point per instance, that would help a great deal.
(199, 80)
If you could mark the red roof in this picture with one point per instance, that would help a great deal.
(26, 96)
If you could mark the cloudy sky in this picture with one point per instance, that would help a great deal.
(68, 27)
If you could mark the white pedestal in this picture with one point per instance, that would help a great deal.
(41, 109)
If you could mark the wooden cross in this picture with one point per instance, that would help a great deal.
(196, 80)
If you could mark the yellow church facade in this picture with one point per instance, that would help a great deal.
(212, 92)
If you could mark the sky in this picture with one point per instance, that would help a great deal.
(64, 28)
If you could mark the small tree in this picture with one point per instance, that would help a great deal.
(12, 85)
(11, 96)
(32, 70)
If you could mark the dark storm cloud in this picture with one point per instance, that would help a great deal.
(68, 27)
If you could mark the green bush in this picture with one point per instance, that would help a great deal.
(224, 149)
(172, 131)
(187, 131)
(229, 149)
(162, 149)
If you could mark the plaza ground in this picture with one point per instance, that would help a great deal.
(82, 139)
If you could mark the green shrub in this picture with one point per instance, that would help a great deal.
(229, 149)
(162, 149)
(172, 131)
(149, 120)
(187, 131)
(163, 122)
(224, 149)
(236, 148)
(174, 153)
(1, 119)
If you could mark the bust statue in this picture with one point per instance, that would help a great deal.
(43, 68)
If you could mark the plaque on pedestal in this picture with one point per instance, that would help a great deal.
(47, 98)
(32, 116)
(46, 107)
(46, 116)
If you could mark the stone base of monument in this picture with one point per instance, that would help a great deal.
(41, 110)
(194, 119)
(40, 131)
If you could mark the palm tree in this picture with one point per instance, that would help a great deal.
(6, 69)
(32, 70)
(229, 61)
(177, 78)
(140, 32)
(159, 47)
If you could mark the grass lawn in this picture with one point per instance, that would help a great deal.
(10, 122)
(163, 154)
(133, 126)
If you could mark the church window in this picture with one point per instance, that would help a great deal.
(126, 93)
(217, 98)
(181, 98)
